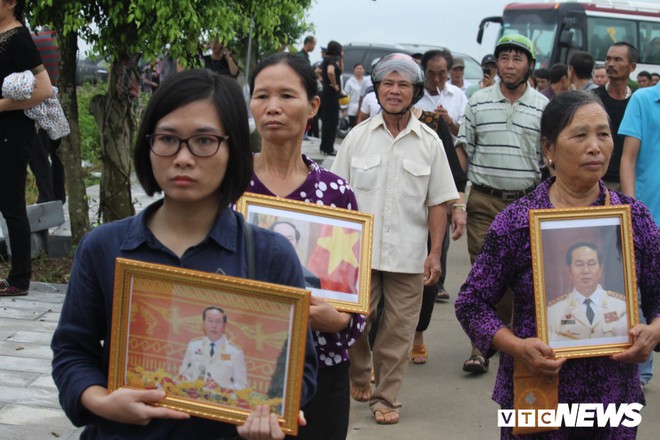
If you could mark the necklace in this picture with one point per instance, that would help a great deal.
(628, 91)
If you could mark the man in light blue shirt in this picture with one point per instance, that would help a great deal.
(640, 163)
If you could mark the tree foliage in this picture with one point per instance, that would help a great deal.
(116, 28)
(124, 31)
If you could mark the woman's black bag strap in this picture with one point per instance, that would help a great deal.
(249, 249)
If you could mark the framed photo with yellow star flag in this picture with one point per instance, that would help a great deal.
(217, 345)
(333, 244)
(585, 285)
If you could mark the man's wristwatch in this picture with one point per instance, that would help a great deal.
(460, 206)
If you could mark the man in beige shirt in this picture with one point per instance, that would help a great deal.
(399, 172)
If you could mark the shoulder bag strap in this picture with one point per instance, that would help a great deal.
(249, 249)
(607, 197)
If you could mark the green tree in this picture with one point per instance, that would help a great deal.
(54, 15)
(123, 31)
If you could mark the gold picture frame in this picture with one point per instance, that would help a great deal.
(583, 250)
(334, 245)
(161, 315)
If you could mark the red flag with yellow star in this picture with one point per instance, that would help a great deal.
(335, 259)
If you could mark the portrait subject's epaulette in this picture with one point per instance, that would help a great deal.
(616, 295)
(556, 300)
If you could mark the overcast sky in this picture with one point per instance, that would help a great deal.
(453, 24)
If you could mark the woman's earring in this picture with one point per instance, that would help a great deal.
(551, 162)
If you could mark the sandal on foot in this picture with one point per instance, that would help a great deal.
(373, 376)
(419, 355)
(386, 416)
(476, 364)
(442, 296)
(361, 393)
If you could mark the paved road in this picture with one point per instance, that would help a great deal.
(440, 401)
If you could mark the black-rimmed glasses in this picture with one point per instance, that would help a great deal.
(200, 145)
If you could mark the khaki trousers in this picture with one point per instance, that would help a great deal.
(481, 211)
(402, 294)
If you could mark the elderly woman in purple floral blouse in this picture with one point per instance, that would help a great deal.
(281, 106)
(578, 144)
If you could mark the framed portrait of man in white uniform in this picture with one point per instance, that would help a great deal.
(217, 345)
(585, 286)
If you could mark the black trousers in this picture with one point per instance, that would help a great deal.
(48, 169)
(330, 120)
(314, 127)
(430, 292)
(327, 412)
(15, 147)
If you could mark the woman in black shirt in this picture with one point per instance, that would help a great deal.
(17, 136)
(332, 67)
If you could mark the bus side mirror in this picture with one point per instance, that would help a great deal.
(565, 38)
(484, 23)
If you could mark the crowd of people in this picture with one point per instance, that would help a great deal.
(430, 156)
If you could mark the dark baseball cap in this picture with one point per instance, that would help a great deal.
(488, 59)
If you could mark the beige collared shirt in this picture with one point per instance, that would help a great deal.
(396, 179)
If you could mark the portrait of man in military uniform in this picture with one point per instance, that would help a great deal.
(588, 311)
(213, 358)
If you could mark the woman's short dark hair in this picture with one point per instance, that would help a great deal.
(225, 94)
(560, 111)
(19, 9)
(334, 49)
(298, 64)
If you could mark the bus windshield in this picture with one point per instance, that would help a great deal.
(540, 27)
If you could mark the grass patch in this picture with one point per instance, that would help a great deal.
(44, 269)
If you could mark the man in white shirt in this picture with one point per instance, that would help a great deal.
(400, 173)
(588, 311)
(457, 74)
(439, 95)
(212, 358)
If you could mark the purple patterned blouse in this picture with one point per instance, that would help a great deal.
(324, 188)
(505, 261)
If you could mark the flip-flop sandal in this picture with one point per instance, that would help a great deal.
(383, 411)
(476, 364)
(442, 296)
(419, 355)
(361, 393)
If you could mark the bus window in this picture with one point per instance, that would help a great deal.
(604, 32)
(649, 37)
(540, 28)
(595, 25)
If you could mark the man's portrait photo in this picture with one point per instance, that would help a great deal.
(213, 358)
(588, 310)
(586, 283)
